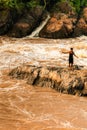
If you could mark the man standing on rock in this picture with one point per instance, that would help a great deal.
(71, 53)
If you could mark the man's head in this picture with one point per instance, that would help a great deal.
(71, 49)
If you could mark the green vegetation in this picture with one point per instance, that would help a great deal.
(32, 3)
(20, 4)
(78, 4)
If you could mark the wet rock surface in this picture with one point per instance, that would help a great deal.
(61, 23)
(27, 22)
(65, 80)
(61, 27)
(7, 17)
(65, 23)
(81, 26)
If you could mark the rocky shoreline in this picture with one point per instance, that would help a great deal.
(63, 22)
(64, 80)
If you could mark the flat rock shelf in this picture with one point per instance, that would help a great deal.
(65, 80)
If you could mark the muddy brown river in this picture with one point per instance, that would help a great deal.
(25, 107)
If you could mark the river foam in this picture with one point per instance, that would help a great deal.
(49, 52)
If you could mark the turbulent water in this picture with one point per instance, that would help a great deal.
(24, 107)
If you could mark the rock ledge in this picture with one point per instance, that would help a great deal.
(61, 79)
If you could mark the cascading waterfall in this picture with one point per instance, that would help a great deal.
(37, 30)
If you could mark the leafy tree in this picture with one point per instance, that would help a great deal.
(83, 3)
(20, 4)
(32, 3)
(78, 4)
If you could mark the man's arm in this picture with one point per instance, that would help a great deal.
(75, 55)
(65, 52)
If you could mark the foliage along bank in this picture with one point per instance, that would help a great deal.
(20, 17)
(21, 4)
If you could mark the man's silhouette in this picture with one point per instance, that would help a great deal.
(71, 54)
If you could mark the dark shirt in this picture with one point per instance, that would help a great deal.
(71, 53)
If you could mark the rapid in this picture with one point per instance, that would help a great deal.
(24, 107)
